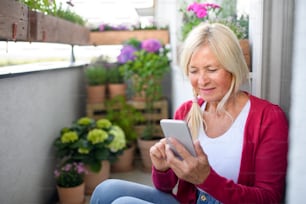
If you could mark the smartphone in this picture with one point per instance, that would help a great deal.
(179, 130)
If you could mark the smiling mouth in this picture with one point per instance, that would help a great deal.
(206, 89)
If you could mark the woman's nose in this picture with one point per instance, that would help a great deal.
(203, 78)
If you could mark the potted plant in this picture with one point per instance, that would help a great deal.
(95, 143)
(197, 12)
(123, 114)
(96, 83)
(70, 182)
(115, 82)
(145, 63)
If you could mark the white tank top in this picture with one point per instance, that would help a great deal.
(224, 152)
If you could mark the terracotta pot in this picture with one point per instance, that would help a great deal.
(125, 161)
(144, 148)
(96, 94)
(116, 90)
(71, 195)
(245, 46)
(92, 179)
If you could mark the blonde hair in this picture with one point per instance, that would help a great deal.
(225, 46)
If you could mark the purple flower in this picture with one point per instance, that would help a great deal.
(121, 27)
(126, 54)
(151, 45)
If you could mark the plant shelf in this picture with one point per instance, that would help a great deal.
(119, 37)
(14, 20)
(18, 23)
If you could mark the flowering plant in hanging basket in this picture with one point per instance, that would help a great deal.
(90, 141)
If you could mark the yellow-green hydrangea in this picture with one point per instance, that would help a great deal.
(84, 121)
(103, 124)
(83, 150)
(65, 129)
(119, 141)
(69, 137)
(97, 136)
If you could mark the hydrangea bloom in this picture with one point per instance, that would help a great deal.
(103, 124)
(97, 136)
(127, 53)
(84, 121)
(151, 45)
(69, 137)
(83, 150)
(119, 141)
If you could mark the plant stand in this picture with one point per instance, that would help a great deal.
(98, 111)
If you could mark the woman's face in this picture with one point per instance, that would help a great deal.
(207, 76)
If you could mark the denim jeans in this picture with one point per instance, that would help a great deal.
(205, 198)
(119, 191)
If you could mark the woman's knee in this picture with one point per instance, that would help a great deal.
(107, 185)
(129, 200)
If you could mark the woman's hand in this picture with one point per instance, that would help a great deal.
(192, 169)
(158, 155)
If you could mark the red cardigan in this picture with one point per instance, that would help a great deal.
(263, 163)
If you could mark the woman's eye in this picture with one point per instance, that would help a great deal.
(192, 71)
(212, 69)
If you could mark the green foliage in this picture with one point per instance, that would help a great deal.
(44, 6)
(114, 76)
(70, 16)
(90, 142)
(148, 70)
(95, 75)
(123, 114)
(52, 8)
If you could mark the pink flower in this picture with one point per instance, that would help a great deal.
(151, 45)
(56, 173)
(101, 27)
(201, 13)
(81, 168)
(201, 10)
(67, 167)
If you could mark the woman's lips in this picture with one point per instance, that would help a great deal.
(206, 90)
